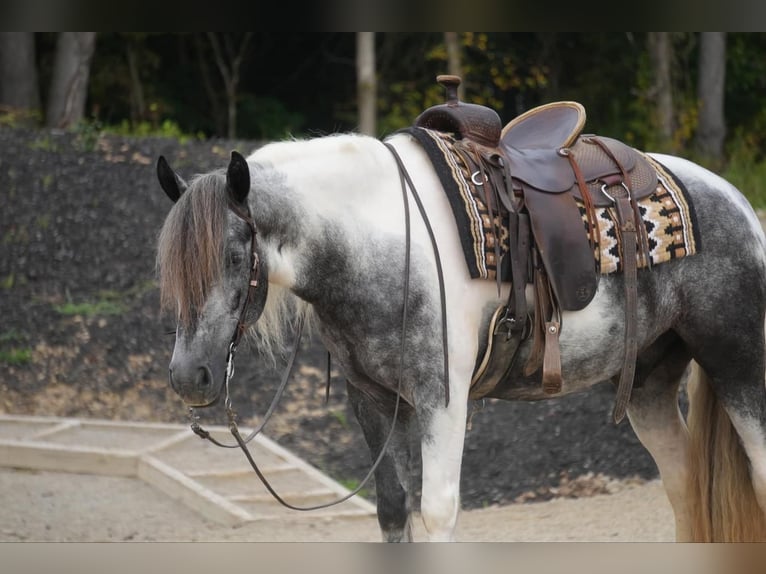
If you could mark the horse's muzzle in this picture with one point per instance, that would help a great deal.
(195, 385)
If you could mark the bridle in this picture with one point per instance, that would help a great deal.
(241, 443)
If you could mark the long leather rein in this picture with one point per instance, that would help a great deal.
(241, 443)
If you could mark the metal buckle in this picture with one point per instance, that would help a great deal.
(609, 196)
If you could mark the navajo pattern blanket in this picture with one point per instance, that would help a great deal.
(668, 215)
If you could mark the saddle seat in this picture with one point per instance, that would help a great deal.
(550, 126)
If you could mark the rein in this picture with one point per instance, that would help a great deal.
(241, 443)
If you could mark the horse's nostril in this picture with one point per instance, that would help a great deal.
(203, 377)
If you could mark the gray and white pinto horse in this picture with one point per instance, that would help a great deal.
(330, 239)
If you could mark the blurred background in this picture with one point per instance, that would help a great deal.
(700, 93)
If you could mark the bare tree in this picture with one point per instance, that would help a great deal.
(711, 129)
(661, 57)
(18, 72)
(366, 84)
(69, 85)
(229, 58)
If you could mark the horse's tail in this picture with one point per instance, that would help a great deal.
(721, 498)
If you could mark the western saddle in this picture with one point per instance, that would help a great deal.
(532, 171)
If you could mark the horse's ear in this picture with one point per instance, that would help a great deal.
(238, 178)
(170, 181)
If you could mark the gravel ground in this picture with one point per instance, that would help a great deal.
(81, 333)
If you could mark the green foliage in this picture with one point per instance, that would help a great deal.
(8, 281)
(746, 169)
(19, 118)
(267, 118)
(90, 309)
(10, 353)
(351, 484)
(44, 143)
(165, 129)
(15, 357)
(108, 303)
(341, 417)
(493, 66)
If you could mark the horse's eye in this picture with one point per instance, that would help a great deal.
(234, 259)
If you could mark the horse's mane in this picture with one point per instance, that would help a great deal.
(190, 246)
(190, 262)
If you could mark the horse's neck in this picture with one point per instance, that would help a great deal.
(311, 194)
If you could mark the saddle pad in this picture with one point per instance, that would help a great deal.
(469, 208)
(667, 214)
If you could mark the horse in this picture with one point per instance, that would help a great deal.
(319, 230)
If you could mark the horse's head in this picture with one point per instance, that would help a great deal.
(211, 272)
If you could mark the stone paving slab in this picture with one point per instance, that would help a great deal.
(216, 482)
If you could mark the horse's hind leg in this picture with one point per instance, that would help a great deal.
(659, 424)
(392, 483)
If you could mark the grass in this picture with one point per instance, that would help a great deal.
(13, 355)
(340, 417)
(107, 302)
(351, 484)
(91, 309)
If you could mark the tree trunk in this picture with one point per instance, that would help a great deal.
(69, 85)
(229, 65)
(18, 74)
(215, 104)
(137, 102)
(454, 61)
(366, 85)
(661, 58)
(711, 129)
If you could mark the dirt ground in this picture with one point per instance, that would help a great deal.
(48, 507)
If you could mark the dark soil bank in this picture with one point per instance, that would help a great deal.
(81, 333)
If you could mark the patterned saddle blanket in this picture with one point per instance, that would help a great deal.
(667, 214)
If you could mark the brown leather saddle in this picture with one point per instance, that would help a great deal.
(547, 177)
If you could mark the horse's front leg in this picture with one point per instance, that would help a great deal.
(442, 438)
(392, 476)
